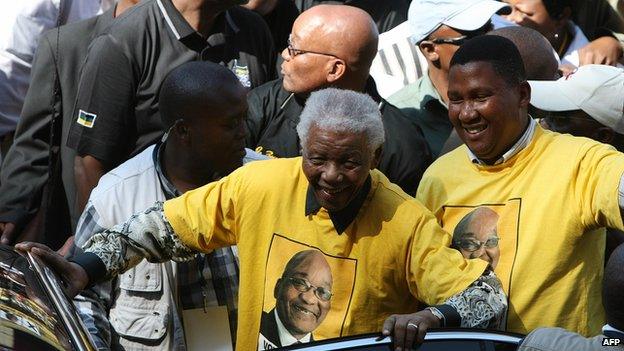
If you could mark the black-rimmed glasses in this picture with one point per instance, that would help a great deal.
(303, 285)
(472, 245)
(292, 52)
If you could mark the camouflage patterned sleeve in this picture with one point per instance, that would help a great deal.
(482, 305)
(147, 235)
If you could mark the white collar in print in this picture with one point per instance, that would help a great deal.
(285, 337)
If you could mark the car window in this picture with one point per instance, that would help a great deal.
(452, 345)
(503, 346)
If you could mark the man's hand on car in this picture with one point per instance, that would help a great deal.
(76, 278)
(408, 330)
(7, 230)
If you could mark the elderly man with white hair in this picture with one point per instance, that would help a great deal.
(386, 252)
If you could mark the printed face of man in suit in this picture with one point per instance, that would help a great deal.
(303, 293)
(476, 235)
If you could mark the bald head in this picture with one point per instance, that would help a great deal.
(344, 31)
(537, 53)
(612, 287)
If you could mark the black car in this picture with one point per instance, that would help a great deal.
(435, 340)
(35, 313)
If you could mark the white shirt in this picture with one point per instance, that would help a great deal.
(23, 23)
(286, 338)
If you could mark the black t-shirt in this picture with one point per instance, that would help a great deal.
(116, 110)
(386, 13)
(272, 130)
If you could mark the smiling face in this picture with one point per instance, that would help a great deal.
(302, 311)
(478, 237)
(488, 113)
(336, 165)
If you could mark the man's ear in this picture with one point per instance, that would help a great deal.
(376, 158)
(336, 70)
(428, 49)
(182, 132)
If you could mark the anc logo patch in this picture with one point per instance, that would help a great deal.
(86, 119)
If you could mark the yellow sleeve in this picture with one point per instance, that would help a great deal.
(596, 186)
(205, 218)
(435, 271)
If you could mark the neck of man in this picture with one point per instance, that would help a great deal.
(199, 14)
(440, 81)
(182, 170)
(123, 5)
(347, 84)
(492, 161)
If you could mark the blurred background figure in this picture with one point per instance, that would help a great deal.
(387, 14)
(36, 180)
(581, 32)
(587, 103)
(279, 16)
(22, 24)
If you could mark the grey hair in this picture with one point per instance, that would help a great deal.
(342, 111)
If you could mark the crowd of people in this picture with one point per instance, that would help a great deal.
(303, 170)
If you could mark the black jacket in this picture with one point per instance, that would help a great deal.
(274, 114)
(37, 148)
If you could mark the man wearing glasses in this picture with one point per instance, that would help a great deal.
(476, 235)
(302, 300)
(438, 29)
(332, 46)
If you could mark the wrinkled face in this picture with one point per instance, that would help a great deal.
(219, 141)
(336, 165)
(488, 113)
(305, 72)
(299, 310)
(481, 233)
(532, 14)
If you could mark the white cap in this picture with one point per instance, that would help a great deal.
(425, 16)
(598, 90)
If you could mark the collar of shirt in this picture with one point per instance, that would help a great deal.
(286, 338)
(168, 188)
(428, 94)
(182, 30)
(612, 332)
(343, 218)
(522, 143)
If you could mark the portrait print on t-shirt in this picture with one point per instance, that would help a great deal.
(307, 294)
(488, 232)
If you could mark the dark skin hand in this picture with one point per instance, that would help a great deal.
(405, 334)
(9, 234)
(73, 274)
(602, 51)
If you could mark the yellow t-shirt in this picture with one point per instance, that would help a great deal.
(393, 251)
(552, 199)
